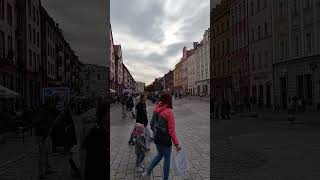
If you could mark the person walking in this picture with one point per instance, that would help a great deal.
(123, 101)
(140, 147)
(42, 124)
(95, 144)
(142, 117)
(217, 108)
(163, 125)
(130, 105)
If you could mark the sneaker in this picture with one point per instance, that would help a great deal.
(139, 169)
(145, 176)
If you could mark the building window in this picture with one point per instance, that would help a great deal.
(48, 50)
(34, 36)
(308, 43)
(30, 33)
(265, 29)
(252, 61)
(252, 34)
(228, 45)
(34, 61)
(38, 17)
(2, 45)
(297, 45)
(251, 8)
(258, 5)
(29, 7)
(30, 58)
(48, 67)
(306, 4)
(48, 33)
(38, 40)
(266, 57)
(281, 7)
(259, 32)
(38, 62)
(1, 9)
(260, 60)
(222, 48)
(34, 13)
(281, 50)
(10, 48)
(295, 6)
(9, 14)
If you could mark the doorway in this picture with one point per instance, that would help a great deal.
(283, 91)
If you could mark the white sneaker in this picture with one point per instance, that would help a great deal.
(145, 176)
(139, 169)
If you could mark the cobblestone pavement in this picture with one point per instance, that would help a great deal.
(19, 161)
(193, 130)
(252, 149)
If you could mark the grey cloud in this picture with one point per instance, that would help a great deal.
(84, 25)
(144, 25)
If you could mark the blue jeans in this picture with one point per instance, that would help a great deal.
(140, 158)
(163, 151)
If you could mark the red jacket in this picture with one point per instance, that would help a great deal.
(167, 114)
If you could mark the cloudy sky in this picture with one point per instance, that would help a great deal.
(84, 25)
(152, 33)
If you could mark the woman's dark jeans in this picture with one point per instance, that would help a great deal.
(163, 151)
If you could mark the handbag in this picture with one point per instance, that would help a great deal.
(161, 132)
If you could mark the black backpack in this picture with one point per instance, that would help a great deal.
(161, 132)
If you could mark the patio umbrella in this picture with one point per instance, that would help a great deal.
(7, 93)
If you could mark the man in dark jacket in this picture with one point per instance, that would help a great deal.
(42, 123)
(142, 118)
(123, 101)
(95, 144)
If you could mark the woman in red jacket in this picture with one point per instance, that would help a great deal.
(162, 124)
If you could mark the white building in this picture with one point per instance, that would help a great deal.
(296, 49)
(140, 87)
(191, 72)
(95, 80)
(202, 54)
(112, 62)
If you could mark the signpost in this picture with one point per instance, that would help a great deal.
(62, 93)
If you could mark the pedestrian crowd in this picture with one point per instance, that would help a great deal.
(221, 109)
(55, 132)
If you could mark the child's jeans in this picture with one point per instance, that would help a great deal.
(140, 158)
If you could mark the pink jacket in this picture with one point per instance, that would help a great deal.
(167, 114)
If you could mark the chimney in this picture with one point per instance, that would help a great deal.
(195, 45)
(184, 52)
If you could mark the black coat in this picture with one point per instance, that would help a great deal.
(141, 116)
(95, 145)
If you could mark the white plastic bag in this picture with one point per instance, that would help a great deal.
(181, 162)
